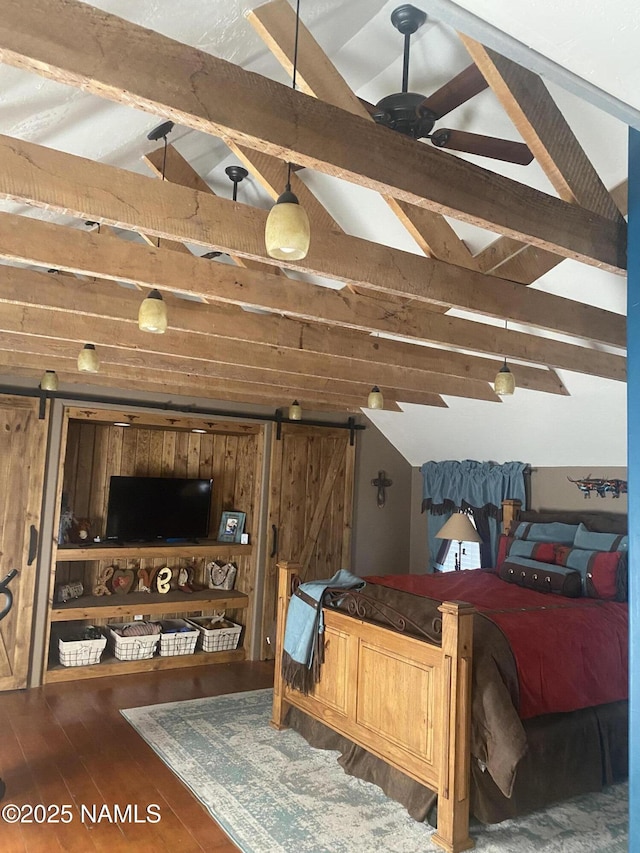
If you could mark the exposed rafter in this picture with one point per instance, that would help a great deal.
(59, 181)
(129, 64)
(48, 245)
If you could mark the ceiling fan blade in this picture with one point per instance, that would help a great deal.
(484, 146)
(461, 88)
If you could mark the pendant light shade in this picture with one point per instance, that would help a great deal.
(295, 411)
(88, 361)
(375, 399)
(49, 381)
(505, 382)
(152, 316)
(287, 232)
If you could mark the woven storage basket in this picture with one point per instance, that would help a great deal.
(132, 648)
(81, 652)
(176, 642)
(222, 639)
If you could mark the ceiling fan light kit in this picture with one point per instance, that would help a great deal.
(415, 115)
(88, 361)
(152, 315)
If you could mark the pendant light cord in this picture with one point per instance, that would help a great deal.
(164, 165)
(294, 76)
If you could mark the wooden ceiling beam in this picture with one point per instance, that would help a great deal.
(207, 377)
(176, 169)
(275, 23)
(235, 360)
(74, 43)
(48, 245)
(529, 105)
(160, 385)
(59, 181)
(408, 362)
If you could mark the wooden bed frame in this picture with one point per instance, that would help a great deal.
(422, 728)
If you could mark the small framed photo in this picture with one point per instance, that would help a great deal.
(231, 526)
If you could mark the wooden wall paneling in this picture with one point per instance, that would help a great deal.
(155, 453)
(83, 474)
(71, 460)
(142, 452)
(128, 460)
(181, 457)
(99, 492)
(193, 454)
(168, 452)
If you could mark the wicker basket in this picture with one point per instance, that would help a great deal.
(81, 652)
(173, 641)
(132, 648)
(218, 639)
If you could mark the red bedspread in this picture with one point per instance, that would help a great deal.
(570, 652)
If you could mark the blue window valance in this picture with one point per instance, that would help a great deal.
(468, 484)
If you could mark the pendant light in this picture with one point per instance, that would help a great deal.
(505, 382)
(287, 232)
(49, 381)
(152, 315)
(375, 399)
(88, 361)
(295, 411)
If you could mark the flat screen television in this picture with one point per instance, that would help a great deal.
(143, 509)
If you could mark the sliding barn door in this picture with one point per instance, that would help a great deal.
(310, 507)
(22, 452)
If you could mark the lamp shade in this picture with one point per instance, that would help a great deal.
(152, 316)
(505, 382)
(88, 361)
(295, 411)
(459, 529)
(49, 381)
(375, 400)
(287, 232)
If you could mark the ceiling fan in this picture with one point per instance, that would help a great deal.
(414, 115)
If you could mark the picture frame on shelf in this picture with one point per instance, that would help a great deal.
(231, 526)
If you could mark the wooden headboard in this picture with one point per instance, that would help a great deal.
(599, 522)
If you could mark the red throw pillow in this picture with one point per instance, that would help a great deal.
(544, 552)
(599, 570)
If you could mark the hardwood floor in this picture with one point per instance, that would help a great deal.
(68, 744)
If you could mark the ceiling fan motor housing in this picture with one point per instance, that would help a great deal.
(401, 112)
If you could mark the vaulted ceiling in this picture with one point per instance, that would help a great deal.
(426, 267)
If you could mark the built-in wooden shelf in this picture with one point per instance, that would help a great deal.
(147, 604)
(111, 666)
(103, 551)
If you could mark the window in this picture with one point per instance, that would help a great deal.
(470, 556)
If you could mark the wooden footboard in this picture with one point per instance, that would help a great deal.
(406, 700)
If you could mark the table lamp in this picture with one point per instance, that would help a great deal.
(459, 529)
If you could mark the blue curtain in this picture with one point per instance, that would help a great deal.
(477, 486)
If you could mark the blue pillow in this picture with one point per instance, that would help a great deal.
(589, 541)
(554, 531)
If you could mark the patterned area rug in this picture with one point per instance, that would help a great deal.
(272, 793)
